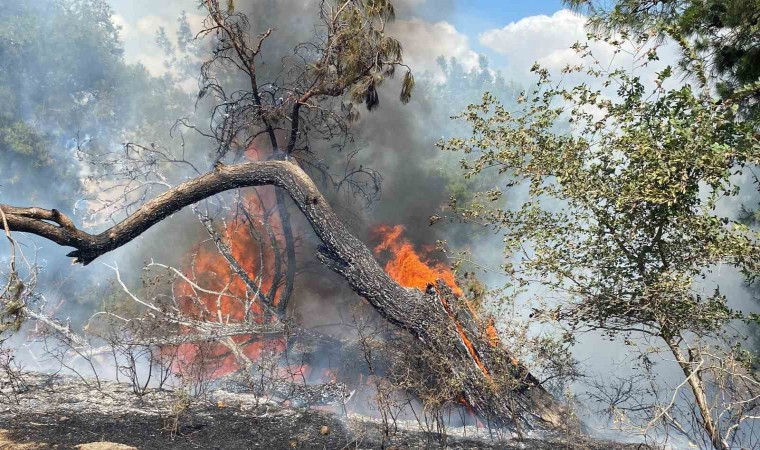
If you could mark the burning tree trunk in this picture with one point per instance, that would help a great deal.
(496, 385)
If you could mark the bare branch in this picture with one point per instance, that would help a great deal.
(495, 384)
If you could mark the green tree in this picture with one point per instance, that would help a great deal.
(62, 80)
(725, 33)
(459, 87)
(67, 94)
(620, 225)
(722, 36)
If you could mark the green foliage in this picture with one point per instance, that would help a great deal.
(461, 87)
(362, 55)
(458, 88)
(620, 216)
(726, 33)
(62, 80)
(617, 226)
(12, 303)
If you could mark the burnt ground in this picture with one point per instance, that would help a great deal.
(62, 413)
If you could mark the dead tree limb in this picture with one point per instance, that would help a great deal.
(497, 386)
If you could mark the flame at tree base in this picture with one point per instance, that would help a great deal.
(407, 266)
(414, 270)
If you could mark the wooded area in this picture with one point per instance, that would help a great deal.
(623, 193)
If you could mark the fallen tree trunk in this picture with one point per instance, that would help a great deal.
(496, 385)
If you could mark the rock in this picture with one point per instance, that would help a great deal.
(7, 443)
(325, 430)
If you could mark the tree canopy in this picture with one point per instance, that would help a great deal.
(63, 81)
(725, 33)
(620, 220)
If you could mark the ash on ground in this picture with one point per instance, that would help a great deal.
(58, 412)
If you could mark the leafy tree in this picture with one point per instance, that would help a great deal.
(721, 35)
(620, 225)
(459, 87)
(726, 33)
(64, 88)
(62, 80)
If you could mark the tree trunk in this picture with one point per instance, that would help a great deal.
(697, 387)
(496, 385)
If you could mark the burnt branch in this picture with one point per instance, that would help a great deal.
(496, 385)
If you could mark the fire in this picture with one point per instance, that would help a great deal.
(413, 270)
(409, 268)
(254, 240)
(253, 234)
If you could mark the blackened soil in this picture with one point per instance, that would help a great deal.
(61, 413)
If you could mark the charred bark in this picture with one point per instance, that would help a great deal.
(496, 385)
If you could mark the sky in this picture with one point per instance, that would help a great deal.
(511, 33)
(473, 16)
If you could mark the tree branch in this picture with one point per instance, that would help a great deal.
(495, 384)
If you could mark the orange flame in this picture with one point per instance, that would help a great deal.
(254, 241)
(492, 333)
(407, 267)
(413, 270)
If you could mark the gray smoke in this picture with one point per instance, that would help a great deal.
(396, 140)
